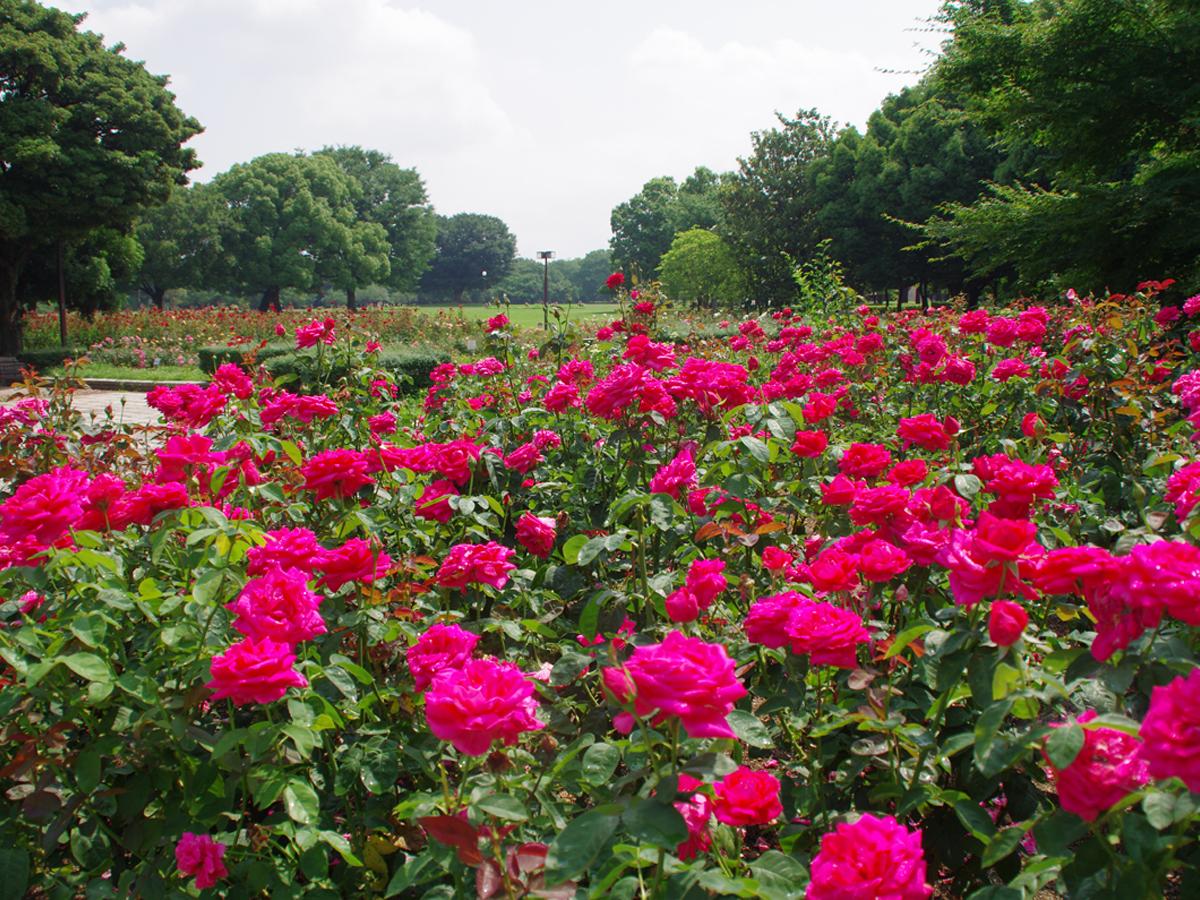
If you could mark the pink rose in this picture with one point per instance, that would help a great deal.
(199, 855)
(536, 534)
(776, 560)
(1006, 622)
(870, 858)
(278, 605)
(747, 797)
(1109, 766)
(440, 647)
(336, 473)
(254, 671)
(286, 548)
(696, 810)
(681, 677)
(1171, 731)
(810, 444)
(828, 634)
(355, 560)
(476, 564)
(484, 700)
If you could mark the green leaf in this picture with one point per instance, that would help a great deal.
(302, 737)
(1163, 810)
(906, 637)
(662, 511)
(577, 846)
(784, 867)
(89, 666)
(996, 892)
(301, 802)
(975, 820)
(14, 873)
(599, 763)
(986, 728)
(967, 486)
(572, 547)
(568, 668)
(750, 729)
(1064, 745)
(1004, 843)
(590, 550)
(759, 450)
(90, 629)
(655, 822)
(503, 807)
(87, 770)
(208, 586)
(292, 452)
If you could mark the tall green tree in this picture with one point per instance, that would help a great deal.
(290, 221)
(524, 282)
(700, 268)
(88, 139)
(96, 268)
(393, 198)
(770, 213)
(1106, 92)
(644, 225)
(181, 242)
(588, 274)
(474, 252)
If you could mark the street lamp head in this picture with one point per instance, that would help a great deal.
(545, 254)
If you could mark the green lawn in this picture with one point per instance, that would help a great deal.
(131, 373)
(527, 316)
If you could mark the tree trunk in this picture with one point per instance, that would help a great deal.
(900, 298)
(351, 298)
(62, 294)
(11, 324)
(158, 297)
(270, 299)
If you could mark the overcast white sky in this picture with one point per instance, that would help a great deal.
(546, 114)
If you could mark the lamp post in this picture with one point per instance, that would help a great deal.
(545, 256)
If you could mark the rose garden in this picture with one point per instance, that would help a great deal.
(860, 605)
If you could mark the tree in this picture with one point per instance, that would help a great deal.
(181, 242)
(769, 209)
(588, 274)
(1105, 91)
(88, 139)
(95, 269)
(395, 199)
(474, 252)
(645, 224)
(523, 283)
(290, 218)
(701, 269)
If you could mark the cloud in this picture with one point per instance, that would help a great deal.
(546, 115)
(266, 75)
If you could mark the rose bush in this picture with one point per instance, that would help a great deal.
(814, 609)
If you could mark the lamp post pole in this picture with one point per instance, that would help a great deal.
(545, 256)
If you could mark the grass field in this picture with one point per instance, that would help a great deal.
(526, 316)
(131, 373)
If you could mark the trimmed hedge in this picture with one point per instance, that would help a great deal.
(211, 357)
(409, 368)
(48, 357)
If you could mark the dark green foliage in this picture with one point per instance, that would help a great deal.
(474, 252)
(88, 139)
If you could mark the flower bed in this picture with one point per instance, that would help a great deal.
(861, 608)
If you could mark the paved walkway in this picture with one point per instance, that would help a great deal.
(129, 407)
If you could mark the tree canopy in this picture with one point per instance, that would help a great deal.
(644, 225)
(1105, 91)
(393, 198)
(701, 269)
(474, 252)
(291, 222)
(88, 139)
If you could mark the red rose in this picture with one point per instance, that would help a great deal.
(614, 281)
(747, 797)
(1006, 622)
